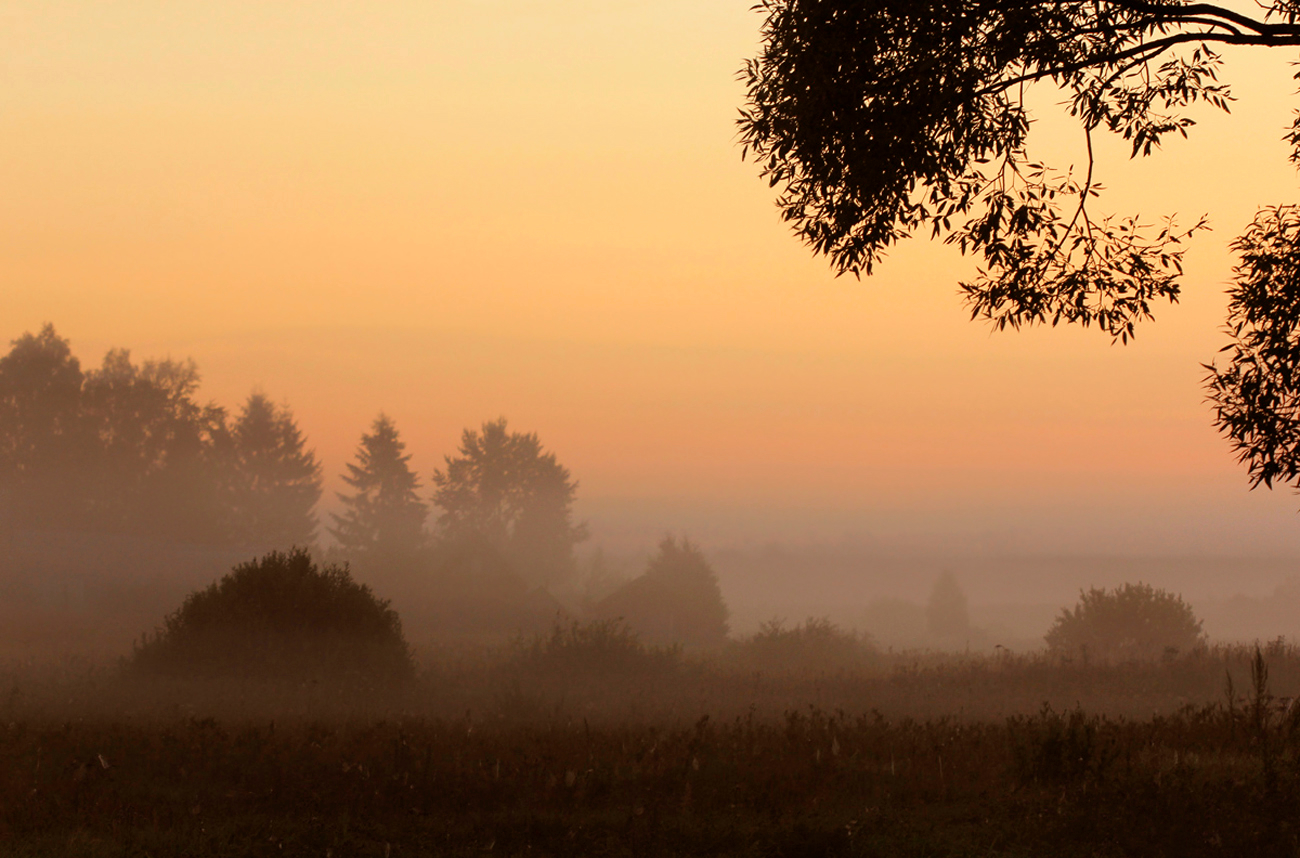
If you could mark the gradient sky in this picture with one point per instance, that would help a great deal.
(454, 211)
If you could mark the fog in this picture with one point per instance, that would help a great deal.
(125, 491)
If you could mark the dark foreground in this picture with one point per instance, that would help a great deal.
(1213, 780)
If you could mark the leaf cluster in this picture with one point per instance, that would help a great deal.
(879, 119)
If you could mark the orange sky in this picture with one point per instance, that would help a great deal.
(453, 211)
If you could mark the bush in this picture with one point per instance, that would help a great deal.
(276, 617)
(1131, 622)
(602, 646)
(816, 645)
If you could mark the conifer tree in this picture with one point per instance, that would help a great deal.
(276, 480)
(384, 513)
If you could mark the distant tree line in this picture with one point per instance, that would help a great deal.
(127, 448)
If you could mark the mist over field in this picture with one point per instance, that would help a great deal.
(653, 428)
(125, 491)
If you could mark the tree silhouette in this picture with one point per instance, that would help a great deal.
(877, 120)
(45, 447)
(676, 600)
(1134, 621)
(946, 614)
(503, 491)
(158, 458)
(384, 512)
(276, 481)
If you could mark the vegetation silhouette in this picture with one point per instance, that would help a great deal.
(503, 491)
(280, 616)
(814, 646)
(383, 514)
(596, 647)
(277, 480)
(44, 446)
(879, 120)
(676, 600)
(1130, 622)
(127, 449)
(947, 616)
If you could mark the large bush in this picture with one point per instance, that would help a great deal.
(1133, 621)
(280, 616)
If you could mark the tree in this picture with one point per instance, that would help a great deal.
(504, 492)
(946, 614)
(1133, 621)
(676, 600)
(45, 448)
(384, 513)
(157, 465)
(879, 119)
(276, 481)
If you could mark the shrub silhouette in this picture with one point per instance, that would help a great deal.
(815, 645)
(280, 616)
(600, 646)
(1134, 621)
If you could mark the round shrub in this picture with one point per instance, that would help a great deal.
(280, 616)
(1131, 622)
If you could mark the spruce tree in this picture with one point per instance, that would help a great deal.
(384, 512)
(276, 480)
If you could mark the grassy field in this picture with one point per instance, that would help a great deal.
(547, 750)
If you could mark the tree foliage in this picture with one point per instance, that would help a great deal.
(946, 612)
(276, 479)
(127, 448)
(504, 491)
(676, 600)
(383, 513)
(43, 439)
(280, 615)
(1133, 621)
(879, 119)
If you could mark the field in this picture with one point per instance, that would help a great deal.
(565, 747)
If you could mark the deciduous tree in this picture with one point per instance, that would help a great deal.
(879, 119)
(505, 492)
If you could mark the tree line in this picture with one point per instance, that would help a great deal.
(127, 448)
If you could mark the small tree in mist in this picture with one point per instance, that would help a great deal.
(946, 613)
(384, 512)
(677, 600)
(505, 491)
(1133, 621)
(280, 615)
(276, 480)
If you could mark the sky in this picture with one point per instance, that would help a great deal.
(451, 212)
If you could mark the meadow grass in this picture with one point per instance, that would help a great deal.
(551, 747)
